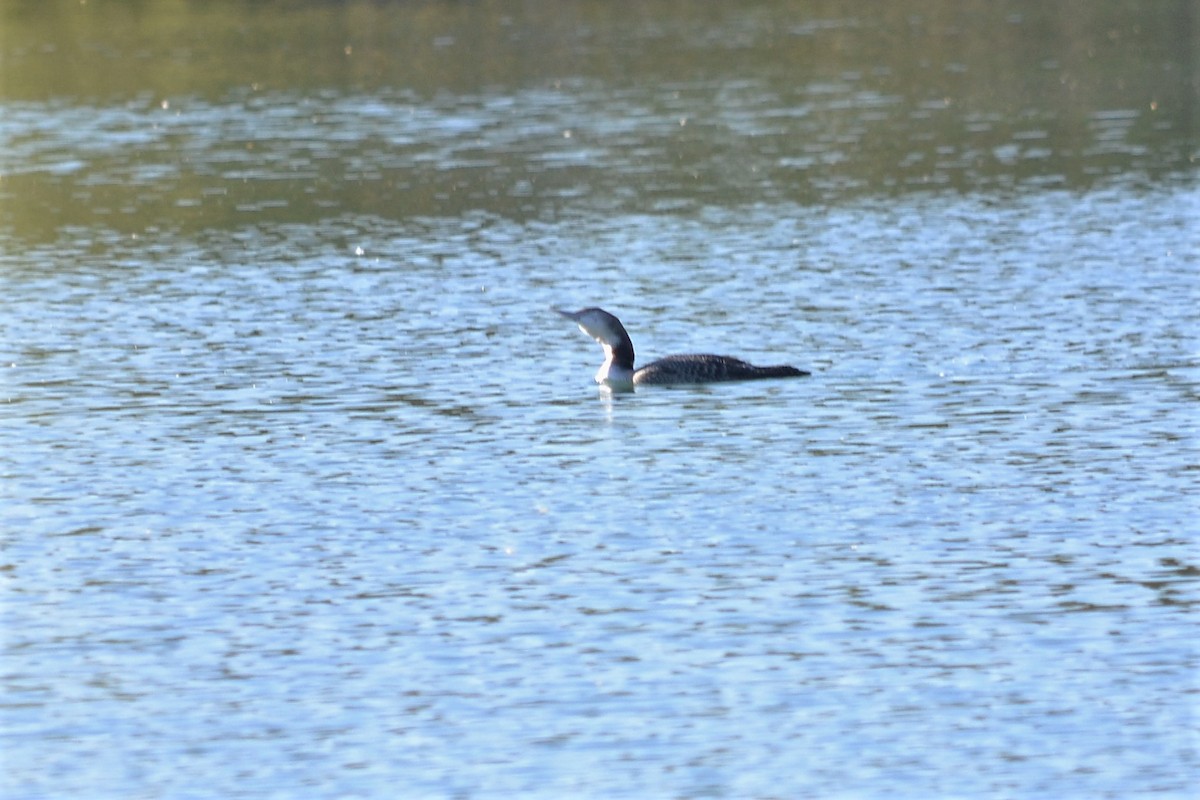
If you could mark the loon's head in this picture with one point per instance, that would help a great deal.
(612, 336)
(598, 324)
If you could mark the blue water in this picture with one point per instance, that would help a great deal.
(306, 492)
(283, 518)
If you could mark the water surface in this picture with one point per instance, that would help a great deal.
(306, 491)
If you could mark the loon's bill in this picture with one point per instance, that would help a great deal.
(617, 369)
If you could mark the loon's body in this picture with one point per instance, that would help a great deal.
(618, 372)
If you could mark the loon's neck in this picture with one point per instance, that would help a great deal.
(617, 369)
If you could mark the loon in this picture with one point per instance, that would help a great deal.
(618, 372)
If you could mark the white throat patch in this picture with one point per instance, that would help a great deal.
(612, 375)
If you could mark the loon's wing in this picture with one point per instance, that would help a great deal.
(705, 368)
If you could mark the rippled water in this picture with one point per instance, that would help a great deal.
(306, 491)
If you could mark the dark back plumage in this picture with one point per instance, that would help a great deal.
(706, 368)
